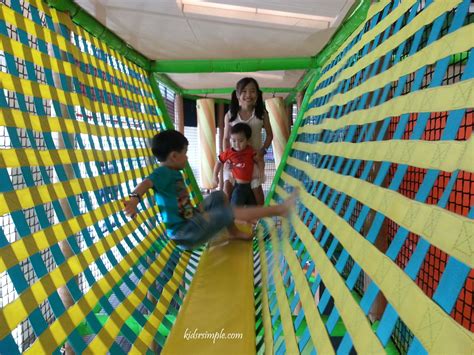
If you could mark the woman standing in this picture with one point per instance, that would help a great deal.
(247, 106)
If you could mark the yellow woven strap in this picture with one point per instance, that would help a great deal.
(58, 331)
(111, 329)
(14, 158)
(370, 35)
(48, 62)
(365, 341)
(28, 197)
(29, 88)
(439, 99)
(267, 321)
(435, 329)
(424, 18)
(37, 293)
(429, 221)
(145, 337)
(453, 43)
(439, 155)
(19, 119)
(291, 344)
(316, 327)
(21, 249)
(49, 36)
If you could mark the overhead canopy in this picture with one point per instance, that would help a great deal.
(172, 30)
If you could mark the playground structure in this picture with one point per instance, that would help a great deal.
(377, 258)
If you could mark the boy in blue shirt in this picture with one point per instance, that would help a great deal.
(191, 227)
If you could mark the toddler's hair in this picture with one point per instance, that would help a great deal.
(241, 128)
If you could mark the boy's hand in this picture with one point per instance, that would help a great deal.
(130, 208)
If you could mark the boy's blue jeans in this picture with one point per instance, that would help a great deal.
(204, 226)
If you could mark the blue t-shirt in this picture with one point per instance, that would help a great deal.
(172, 198)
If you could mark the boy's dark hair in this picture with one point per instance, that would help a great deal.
(241, 128)
(234, 102)
(166, 142)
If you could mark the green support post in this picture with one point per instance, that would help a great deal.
(293, 135)
(169, 125)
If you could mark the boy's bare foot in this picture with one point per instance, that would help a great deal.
(289, 204)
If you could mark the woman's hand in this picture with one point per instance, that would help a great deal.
(215, 182)
(228, 165)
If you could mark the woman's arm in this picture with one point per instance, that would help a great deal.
(268, 132)
(226, 138)
(217, 170)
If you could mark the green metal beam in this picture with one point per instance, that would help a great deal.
(231, 65)
(169, 125)
(82, 18)
(229, 91)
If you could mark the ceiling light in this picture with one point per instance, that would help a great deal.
(254, 14)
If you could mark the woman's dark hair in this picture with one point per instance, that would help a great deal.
(166, 142)
(241, 128)
(234, 103)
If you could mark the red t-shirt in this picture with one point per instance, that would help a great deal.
(242, 162)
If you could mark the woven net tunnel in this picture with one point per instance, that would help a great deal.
(376, 258)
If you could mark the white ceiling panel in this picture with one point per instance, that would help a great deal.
(159, 29)
(331, 8)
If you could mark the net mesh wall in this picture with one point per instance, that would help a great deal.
(74, 129)
(379, 256)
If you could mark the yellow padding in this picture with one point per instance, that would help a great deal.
(438, 155)
(432, 223)
(440, 99)
(424, 18)
(218, 304)
(436, 330)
